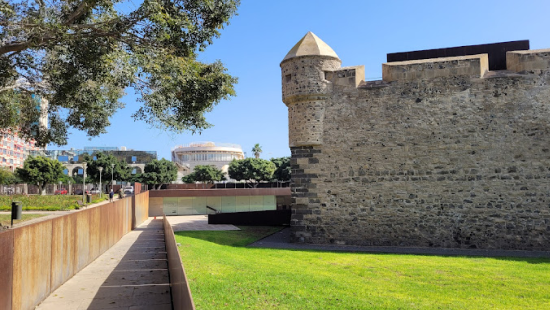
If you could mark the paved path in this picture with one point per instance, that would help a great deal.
(131, 275)
(196, 222)
(281, 240)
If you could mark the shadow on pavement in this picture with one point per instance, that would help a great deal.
(140, 279)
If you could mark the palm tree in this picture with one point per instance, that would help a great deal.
(257, 150)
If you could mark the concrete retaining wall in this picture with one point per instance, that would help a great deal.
(38, 258)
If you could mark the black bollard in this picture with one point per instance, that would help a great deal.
(16, 210)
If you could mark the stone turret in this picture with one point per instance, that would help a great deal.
(305, 88)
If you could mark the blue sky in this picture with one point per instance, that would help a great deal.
(360, 32)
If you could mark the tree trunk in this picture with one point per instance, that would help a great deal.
(42, 189)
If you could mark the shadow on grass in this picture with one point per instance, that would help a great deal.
(234, 238)
(278, 238)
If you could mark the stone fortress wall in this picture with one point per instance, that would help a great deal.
(440, 153)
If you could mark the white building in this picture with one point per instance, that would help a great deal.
(186, 157)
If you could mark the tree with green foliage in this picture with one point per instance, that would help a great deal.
(135, 178)
(6, 176)
(80, 56)
(189, 179)
(77, 179)
(205, 174)
(159, 172)
(282, 168)
(257, 150)
(65, 179)
(121, 170)
(40, 171)
(251, 169)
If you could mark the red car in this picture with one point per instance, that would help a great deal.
(61, 191)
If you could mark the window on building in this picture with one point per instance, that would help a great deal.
(134, 159)
(75, 158)
(134, 171)
(63, 159)
(80, 171)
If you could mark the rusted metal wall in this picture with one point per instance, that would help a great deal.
(6, 268)
(104, 222)
(94, 233)
(32, 261)
(141, 203)
(63, 249)
(82, 239)
(181, 293)
(36, 259)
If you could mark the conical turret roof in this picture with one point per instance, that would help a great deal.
(310, 45)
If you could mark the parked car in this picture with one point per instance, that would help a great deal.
(94, 191)
(128, 190)
(78, 191)
(60, 191)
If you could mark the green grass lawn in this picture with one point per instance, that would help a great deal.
(5, 219)
(223, 274)
(46, 202)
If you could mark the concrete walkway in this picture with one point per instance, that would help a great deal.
(281, 240)
(132, 275)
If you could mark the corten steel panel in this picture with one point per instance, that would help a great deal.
(496, 51)
(282, 191)
(95, 228)
(104, 232)
(144, 205)
(82, 248)
(129, 217)
(141, 203)
(137, 210)
(6, 268)
(118, 222)
(63, 249)
(32, 256)
(111, 220)
(179, 286)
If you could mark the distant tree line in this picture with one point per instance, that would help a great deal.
(251, 170)
(41, 171)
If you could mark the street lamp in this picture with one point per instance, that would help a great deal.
(59, 187)
(84, 183)
(112, 171)
(100, 189)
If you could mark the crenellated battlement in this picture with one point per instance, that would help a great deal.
(474, 66)
(528, 61)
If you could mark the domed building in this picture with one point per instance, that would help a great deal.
(186, 157)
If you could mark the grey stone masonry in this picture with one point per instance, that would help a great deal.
(423, 159)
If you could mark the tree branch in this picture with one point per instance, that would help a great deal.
(14, 47)
(81, 9)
